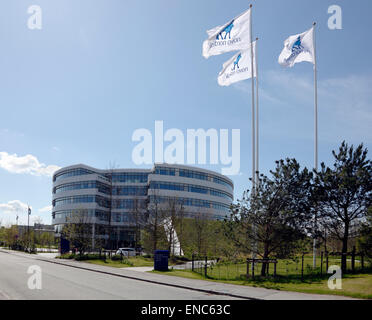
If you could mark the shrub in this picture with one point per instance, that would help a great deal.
(124, 259)
(66, 256)
(89, 256)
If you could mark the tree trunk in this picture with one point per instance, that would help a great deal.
(265, 256)
(155, 238)
(344, 247)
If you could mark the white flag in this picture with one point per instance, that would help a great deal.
(238, 67)
(234, 35)
(298, 48)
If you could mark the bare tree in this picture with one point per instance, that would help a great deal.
(181, 223)
(139, 219)
(200, 224)
(172, 211)
(155, 219)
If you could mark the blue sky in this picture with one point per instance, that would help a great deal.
(76, 90)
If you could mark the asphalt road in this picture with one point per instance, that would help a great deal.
(63, 282)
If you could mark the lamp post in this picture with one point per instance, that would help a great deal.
(28, 227)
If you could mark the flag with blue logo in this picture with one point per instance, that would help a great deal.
(232, 36)
(298, 48)
(239, 67)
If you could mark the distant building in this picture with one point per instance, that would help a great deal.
(40, 228)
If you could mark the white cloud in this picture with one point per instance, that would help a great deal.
(14, 206)
(27, 164)
(10, 210)
(46, 209)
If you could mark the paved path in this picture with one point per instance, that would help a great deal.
(66, 279)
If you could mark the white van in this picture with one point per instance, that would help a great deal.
(127, 252)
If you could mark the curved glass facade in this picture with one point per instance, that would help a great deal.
(111, 197)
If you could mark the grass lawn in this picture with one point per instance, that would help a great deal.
(137, 261)
(356, 285)
(131, 262)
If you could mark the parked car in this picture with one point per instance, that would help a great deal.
(127, 252)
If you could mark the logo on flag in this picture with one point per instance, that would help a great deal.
(232, 36)
(227, 31)
(298, 48)
(236, 62)
(238, 68)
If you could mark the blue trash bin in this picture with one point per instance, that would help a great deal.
(161, 260)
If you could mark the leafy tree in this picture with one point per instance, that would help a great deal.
(344, 192)
(270, 221)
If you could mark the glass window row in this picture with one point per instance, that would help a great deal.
(101, 201)
(192, 203)
(165, 171)
(189, 188)
(66, 214)
(83, 185)
(193, 174)
(72, 173)
(129, 204)
(129, 177)
(129, 191)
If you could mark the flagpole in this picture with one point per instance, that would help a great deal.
(253, 134)
(257, 129)
(253, 113)
(28, 226)
(315, 133)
